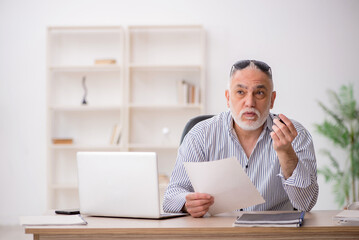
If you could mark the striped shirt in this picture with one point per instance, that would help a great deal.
(215, 139)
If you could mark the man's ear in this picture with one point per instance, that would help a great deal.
(274, 94)
(227, 97)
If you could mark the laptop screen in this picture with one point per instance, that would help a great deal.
(119, 184)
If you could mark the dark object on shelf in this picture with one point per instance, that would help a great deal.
(84, 102)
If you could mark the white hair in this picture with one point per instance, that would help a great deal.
(251, 65)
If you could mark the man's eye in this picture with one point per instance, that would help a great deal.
(240, 92)
(260, 94)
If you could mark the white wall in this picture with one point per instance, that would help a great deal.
(312, 45)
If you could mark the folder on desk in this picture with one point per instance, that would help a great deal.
(288, 219)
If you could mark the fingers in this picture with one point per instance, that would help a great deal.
(285, 129)
(198, 196)
(197, 204)
(287, 123)
(198, 211)
(283, 133)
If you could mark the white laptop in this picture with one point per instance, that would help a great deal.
(120, 184)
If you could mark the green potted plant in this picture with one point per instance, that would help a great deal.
(341, 127)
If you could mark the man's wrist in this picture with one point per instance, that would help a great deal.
(288, 161)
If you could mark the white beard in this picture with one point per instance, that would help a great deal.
(250, 126)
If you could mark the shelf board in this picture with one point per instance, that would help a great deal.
(135, 146)
(87, 147)
(165, 67)
(165, 107)
(170, 27)
(80, 29)
(64, 186)
(85, 108)
(85, 68)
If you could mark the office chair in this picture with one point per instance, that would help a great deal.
(193, 122)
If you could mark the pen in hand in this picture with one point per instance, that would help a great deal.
(275, 116)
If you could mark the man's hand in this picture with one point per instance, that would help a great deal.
(283, 134)
(197, 204)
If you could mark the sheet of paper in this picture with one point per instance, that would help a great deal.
(52, 220)
(226, 181)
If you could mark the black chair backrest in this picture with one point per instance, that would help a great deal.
(193, 122)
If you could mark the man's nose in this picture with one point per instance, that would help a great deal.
(250, 101)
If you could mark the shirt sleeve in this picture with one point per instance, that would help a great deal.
(180, 184)
(302, 187)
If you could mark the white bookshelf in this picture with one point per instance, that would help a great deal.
(72, 52)
(141, 92)
(159, 57)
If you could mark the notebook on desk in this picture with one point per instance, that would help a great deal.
(120, 184)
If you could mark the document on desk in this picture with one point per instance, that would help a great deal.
(226, 181)
(52, 220)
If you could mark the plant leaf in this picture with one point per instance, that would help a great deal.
(337, 119)
(328, 174)
(341, 189)
(342, 128)
(356, 158)
(347, 106)
(338, 134)
(333, 161)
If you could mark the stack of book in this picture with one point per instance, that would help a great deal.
(188, 93)
(288, 219)
(347, 218)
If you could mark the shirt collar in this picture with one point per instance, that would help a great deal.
(269, 122)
